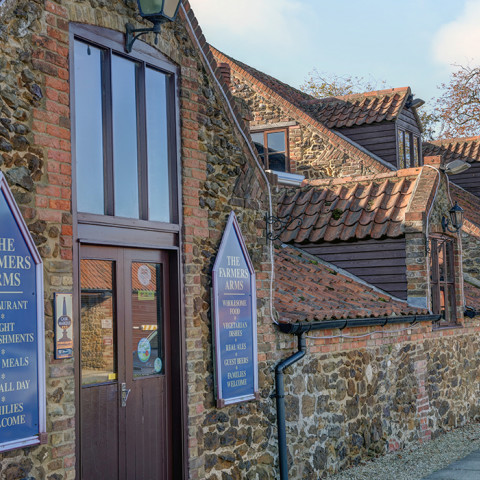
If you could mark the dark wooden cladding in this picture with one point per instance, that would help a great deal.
(378, 138)
(470, 179)
(408, 121)
(379, 262)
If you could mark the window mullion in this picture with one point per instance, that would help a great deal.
(142, 142)
(108, 134)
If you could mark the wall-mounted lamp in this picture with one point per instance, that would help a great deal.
(456, 219)
(455, 167)
(155, 11)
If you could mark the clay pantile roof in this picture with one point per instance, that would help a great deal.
(349, 208)
(358, 109)
(466, 149)
(335, 112)
(309, 289)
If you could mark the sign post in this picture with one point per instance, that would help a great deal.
(22, 349)
(235, 320)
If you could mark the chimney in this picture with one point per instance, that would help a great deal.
(225, 74)
(433, 161)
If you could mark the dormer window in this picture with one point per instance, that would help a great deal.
(272, 147)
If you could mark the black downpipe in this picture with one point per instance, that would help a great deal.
(280, 396)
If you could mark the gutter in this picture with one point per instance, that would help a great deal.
(300, 329)
(305, 327)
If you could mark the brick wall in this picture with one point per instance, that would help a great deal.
(351, 399)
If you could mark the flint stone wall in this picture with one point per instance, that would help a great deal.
(351, 400)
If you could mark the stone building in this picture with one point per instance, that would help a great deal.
(125, 167)
(360, 134)
(75, 113)
(352, 151)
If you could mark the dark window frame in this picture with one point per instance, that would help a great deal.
(402, 135)
(445, 282)
(265, 155)
(112, 43)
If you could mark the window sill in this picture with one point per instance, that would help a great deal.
(454, 326)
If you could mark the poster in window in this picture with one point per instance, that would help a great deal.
(63, 325)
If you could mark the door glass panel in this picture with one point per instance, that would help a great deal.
(147, 319)
(124, 114)
(98, 322)
(89, 128)
(157, 147)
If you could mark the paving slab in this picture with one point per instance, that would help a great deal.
(467, 468)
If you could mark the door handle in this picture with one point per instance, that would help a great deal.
(125, 392)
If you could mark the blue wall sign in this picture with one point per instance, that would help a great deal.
(22, 377)
(235, 319)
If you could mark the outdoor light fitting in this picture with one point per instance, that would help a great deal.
(457, 166)
(155, 11)
(417, 102)
(456, 219)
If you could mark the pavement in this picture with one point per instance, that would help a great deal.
(467, 468)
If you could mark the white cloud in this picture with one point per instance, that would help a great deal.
(255, 22)
(458, 42)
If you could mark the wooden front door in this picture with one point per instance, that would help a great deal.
(125, 400)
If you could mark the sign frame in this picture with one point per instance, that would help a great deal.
(40, 325)
(222, 400)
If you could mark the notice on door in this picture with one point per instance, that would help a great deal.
(22, 412)
(235, 312)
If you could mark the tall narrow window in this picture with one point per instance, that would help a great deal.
(408, 151)
(272, 148)
(89, 121)
(416, 151)
(125, 137)
(442, 278)
(124, 120)
(157, 146)
(401, 148)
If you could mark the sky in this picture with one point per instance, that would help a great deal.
(412, 43)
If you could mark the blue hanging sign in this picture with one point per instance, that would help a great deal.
(22, 365)
(235, 320)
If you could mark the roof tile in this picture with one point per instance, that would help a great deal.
(467, 149)
(358, 109)
(349, 208)
(308, 289)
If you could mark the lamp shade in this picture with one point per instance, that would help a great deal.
(456, 216)
(158, 10)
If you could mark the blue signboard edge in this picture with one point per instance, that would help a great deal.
(221, 401)
(42, 406)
